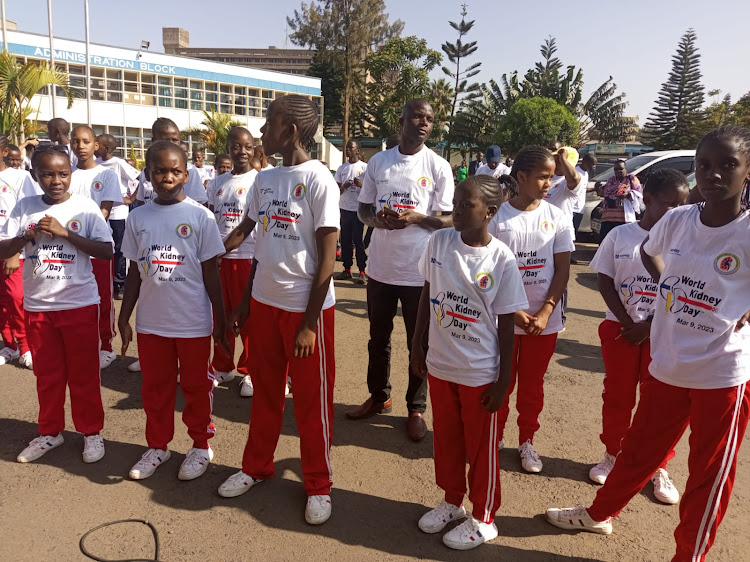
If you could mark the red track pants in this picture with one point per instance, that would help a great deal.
(718, 419)
(463, 429)
(12, 314)
(160, 358)
(235, 275)
(65, 348)
(104, 271)
(272, 334)
(626, 366)
(531, 357)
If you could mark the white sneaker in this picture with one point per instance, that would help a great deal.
(93, 448)
(577, 518)
(39, 447)
(288, 387)
(222, 377)
(236, 485)
(318, 509)
(600, 472)
(436, 519)
(135, 366)
(106, 358)
(470, 534)
(150, 461)
(25, 360)
(501, 445)
(7, 355)
(195, 463)
(664, 489)
(530, 461)
(246, 387)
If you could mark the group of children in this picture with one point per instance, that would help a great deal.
(258, 263)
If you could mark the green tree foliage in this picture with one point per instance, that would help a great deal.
(441, 98)
(677, 119)
(740, 113)
(328, 66)
(536, 121)
(213, 131)
(457, 52)
(350, 28)
(400, 71)
(19, 84)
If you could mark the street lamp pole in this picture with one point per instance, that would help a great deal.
(51, 54)
(88, 65)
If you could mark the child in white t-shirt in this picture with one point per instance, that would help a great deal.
(172, 243)
(700, 354)
(289, 302)
(59, 232)
(92, 180)
(227, 198)
(222, 165)
(472, 291)
(539, 236)
(15, 184)
(166, 130)
(127, 175)
(630, 293)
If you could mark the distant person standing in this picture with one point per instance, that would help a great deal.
(407, 194)
(588, 163)
(494, 166)
(474, 164)
(206, 172)
(58, 131)
(462, 172)
(349, 179)
(620, 194)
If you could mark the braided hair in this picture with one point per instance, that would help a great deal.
(529, 158)
(492, 191)
(663, 179)
(4, 142)
(302, 112)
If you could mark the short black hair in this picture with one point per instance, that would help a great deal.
(163, 123)
(302, 112)
(392, 140)
(410, 105)
(107, 140)
(222, 156)
(93, 133)
(740, 135)
(663, 179)
(12, 147)
(234, 132)
(164, 146)
(590, 158)
(46, 151)
(60, 124)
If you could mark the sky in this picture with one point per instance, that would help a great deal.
(631, 41)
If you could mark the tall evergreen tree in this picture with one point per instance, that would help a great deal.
(456, 52)
(350, 27)
(676, 121)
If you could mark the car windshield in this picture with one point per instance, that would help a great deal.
(631, 165)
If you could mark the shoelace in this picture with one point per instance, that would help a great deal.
(664, 480)
(528, 449)
(469, 527)
(151, 456)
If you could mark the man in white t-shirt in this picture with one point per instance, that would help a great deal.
(349, 178)
(407, 193)
(58, 131)
(588, 163)
(494, 166)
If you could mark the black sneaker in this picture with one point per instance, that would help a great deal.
(119, 293)
(343, 276)
(361, 279)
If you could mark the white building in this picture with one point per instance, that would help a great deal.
(130, 89)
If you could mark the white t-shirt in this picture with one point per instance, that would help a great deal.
(566, 199)
(422, 182)
(469, 288)
(268, 167)
(229, 197)
(580, 203)
(14, 186)
(485, 170)
(168, 243)
(206, 172)
(349, 200)
(56, 274)
(193, 188)
(535, 237)
(289, 204)
(619, 257)
(127, 175)
(703, 292)
(98, 184)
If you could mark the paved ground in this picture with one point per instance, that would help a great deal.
(383, 482)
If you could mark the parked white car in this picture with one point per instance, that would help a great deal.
(641, 165)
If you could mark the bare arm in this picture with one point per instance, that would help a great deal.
(554, 294)
(653, 264)
(212, 283)
(572, 177)
(367, 215)
(418, 364)
(239, 234)
(130, 297)
(12, 246)
(493, 397)
(612, 299)
(106, 208)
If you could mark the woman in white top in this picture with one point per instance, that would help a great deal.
(539, 236)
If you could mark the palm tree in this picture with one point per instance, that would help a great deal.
(440, 96)
(18, 86)
(213, 131)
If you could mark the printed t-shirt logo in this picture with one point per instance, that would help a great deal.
(299, 191)
(74, 225)
(184, 230)
(684, 294)
(726, 264)
(5, 188)
(97, 186)
(218, 193)
(633, 292)
(424, 182)
(547, 226)
(484, 281)
(241, 191)
(451, 309)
